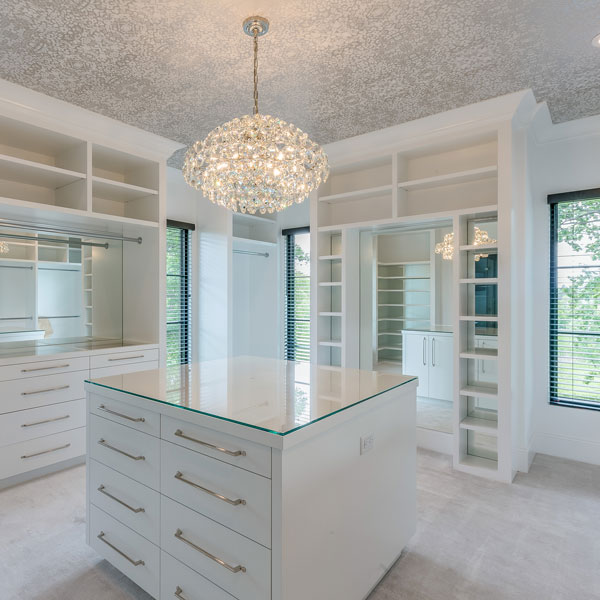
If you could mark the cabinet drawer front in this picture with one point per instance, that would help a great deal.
(21, 394)
(126, 414)
(41, 452)
(44, 420)
(122, 369)
(235, 451)
(123, 358)
(126, 450)
(128, 501)
(179, 581)
(191, 537)
(46, 367)
(231, 496)
(128, 551)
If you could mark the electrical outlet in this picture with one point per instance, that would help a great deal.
(367, 443)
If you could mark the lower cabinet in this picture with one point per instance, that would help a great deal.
(428, 356)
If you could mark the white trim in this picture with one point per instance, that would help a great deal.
(438, 441)
(565, 446)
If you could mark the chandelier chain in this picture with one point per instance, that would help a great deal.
(255, 33)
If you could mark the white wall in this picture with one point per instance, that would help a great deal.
(566, 162)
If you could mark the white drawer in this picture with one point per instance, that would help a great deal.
(41, 452)
(241, 453)
(189, 478)
(123, 369)
(44, 420)
(128, 551)
(122, 358)
(126, 450)
(128, 501)
(126, 414)
(191, 538)
(179, 581)
(21, 394)
(46, 367)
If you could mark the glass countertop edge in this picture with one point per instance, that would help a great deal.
(258, 427)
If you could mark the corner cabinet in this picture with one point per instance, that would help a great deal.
(429, 356)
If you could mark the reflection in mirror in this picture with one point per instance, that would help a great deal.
(58, 289)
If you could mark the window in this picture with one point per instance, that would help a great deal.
(575, 299)
(179, 299)
(297, 292)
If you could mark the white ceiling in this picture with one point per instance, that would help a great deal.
(334, 68)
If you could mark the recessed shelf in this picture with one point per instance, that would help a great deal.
(480, 318)
(481, 353)
(252, 241)
(404, 263)
(255, 218)
(330, 283)
(450, 178)
(390, 348)
(331, 343)
(390, 333)
(473, 247)
(478, 463)
(481, 425)
(372, 192)
(477, 391)
(33, 173)
(330, 314)
(481, 281)
(331, 257)
(118, 191)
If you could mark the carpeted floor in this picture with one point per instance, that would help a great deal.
(536, 539)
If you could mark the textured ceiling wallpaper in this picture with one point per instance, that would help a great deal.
(335, 68)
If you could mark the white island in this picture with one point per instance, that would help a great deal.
(252, 478)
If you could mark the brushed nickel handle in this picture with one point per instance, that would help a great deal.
(46, 421)
(179, 593)
(102, 490)
(46, 368)
(135, 563)
(424, 351)
(433, 352)
(179, 475)
(54, 389)
(45, 451)
(112, 412)
(179, 535)
(180, 434)
(102, 442)
(126, 357)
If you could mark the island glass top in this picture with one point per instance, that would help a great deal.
(272, 395)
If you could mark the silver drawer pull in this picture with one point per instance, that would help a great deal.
(179, 536)
(126, 357)
(135, 563)
(45, 368)
(102, 490)
(46, 421)
(103, 443)
(45, 451)
(179, 475)
(179, 593)
(112, 412)
(180, 434)
(54, 389)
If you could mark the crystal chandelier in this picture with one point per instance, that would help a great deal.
(3, 247)
(256, 163)
(480, 238)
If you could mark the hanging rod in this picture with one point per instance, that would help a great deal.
(15, 267)
(265, 254)
(72, 243)
(54, 229)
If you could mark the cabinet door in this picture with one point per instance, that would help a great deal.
(415, 359)
(440, 367)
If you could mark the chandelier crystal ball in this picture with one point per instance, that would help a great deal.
(3, 248)
(256, 163)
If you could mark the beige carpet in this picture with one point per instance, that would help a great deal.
(536, 539)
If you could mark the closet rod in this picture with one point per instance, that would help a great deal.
(15, 267)
(53, 229)
(72, 243)
(265, 254)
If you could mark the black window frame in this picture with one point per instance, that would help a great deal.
(554, 200)
(184, 323)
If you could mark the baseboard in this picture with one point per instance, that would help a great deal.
(29, 475)
(564, 446)
(524, 459)
(438, 441)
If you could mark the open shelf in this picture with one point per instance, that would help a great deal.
(330, 314)
(389, 348)
(252, 241)
(331, 257)
(118, 191)
(331, 343)
(482, 425)
(399, 333)
(480, 280)
(480, 354)
(450, 178)
(373, 192)
(478, 247)
(478, 391)
(477, 463)
(330, 283)
(480, 318)
(255, 218)
(33, 173)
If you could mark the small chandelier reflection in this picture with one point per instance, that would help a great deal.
(480, 238)
(256, 163)
(3, 247)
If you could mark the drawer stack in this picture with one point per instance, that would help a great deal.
(194, 500)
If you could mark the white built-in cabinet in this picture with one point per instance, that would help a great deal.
(428, 355)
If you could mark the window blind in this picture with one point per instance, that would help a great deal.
(575, 299)
(297, 278)
(179, 298)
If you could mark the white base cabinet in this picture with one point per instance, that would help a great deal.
(429, 356)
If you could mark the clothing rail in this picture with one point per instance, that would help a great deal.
(265, 254)
(72, 243)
